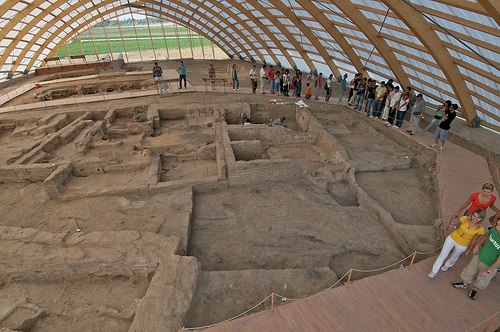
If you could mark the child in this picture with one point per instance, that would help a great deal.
(308, 90)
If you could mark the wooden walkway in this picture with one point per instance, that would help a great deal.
(398, 300)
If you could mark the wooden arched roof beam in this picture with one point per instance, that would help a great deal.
(471, 24)
(61, 29)
(29, 25)
(457, 34)
(336, 34)
(283, 30)
(223, 19)
(74, 19)
(492, 8)
(313, 39)
(111, 11)
(243, 23)
(268, 32)
(465, 5)
(428, 37)
(384, 51)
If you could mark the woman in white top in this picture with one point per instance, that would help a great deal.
(385, 113)
(403, 103)
(329, 87)
(393, 107)
(286, 83)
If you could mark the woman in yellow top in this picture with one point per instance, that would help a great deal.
(462, 239)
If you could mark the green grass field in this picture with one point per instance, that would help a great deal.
(94, 41)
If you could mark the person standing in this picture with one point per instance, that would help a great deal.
(484, 265)
(386, 101)
(361, 88)
(411, 97)
(229, 69)
(277, 82)
(318, 83)
(467, 233)
(479, 200)
(343, 88)
(403, 106)
(182, 75)
(211, 74)
(158, 77)
(328, 87)
(417, 112)
(263, 78)
(234, 77)
(298, 83)
(286, 83)
(370, 91)
(438, 116)
(253, 78)
(441, 132)
(393, 106)
(271, 75)
(379, 100)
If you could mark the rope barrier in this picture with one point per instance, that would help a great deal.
(287, 299)
(484, 321)
(227, 320)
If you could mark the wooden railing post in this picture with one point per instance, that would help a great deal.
(349, 276)
(272, 301)
(413, 258)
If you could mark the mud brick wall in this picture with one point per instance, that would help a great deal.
(22, 173)
(153, 116)
(237, 114)
(245, 172)
(110, 117)
(264, 114)
(54, 184)
(247, 150)
(275, 134)
(100, 166)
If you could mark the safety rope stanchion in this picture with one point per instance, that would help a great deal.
(413, 259)
(349, 276)
(272, 301)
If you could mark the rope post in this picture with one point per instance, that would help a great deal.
(413, 258)
(349, 276)
(272, 301)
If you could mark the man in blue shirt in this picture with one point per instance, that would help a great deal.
(182, 75)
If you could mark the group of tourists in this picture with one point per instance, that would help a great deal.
(280, 81)
(386, 101)
(391, 103)
(470, 237)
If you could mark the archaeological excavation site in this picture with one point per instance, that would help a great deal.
(162, 211)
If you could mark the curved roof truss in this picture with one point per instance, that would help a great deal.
(444, 49)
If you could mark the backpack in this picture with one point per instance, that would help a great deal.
(326, 85)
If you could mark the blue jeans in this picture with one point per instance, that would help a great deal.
(429, 126)
(399, 118)
(359, 102)
(298, 89)
(236, 83)
(369, 105)
(272, 86)
(377, 108)
(342, 92)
